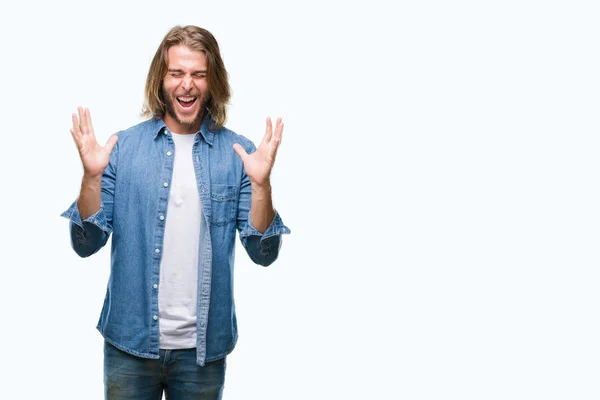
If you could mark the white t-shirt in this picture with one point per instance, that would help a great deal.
(178, 288)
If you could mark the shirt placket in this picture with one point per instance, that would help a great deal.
(201, 163)
(166, 177)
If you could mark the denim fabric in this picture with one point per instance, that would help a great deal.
(127, 377)
(135, 193)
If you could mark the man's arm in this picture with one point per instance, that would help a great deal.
(90, 224)
(261, 210)
(89, 197)
(261, 233)
(262, 246)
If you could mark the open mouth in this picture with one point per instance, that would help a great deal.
(186, 101)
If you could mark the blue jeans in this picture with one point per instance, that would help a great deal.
(129, 377)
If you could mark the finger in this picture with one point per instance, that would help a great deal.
(240, 151)
(110, 143)
(81, 113)
(75, 124)
(84, 122)
(76, 138)
(268, 131)
(88, 121)
(273, 146)
(279, 128)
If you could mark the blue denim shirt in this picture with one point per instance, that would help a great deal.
(135, 193)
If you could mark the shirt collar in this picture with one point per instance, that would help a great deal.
(208, 135)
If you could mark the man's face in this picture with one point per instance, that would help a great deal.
(185, 89)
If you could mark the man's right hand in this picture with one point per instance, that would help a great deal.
(93, 156)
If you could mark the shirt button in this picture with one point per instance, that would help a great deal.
(157, 251)
(169, 154)
(162, 217)
(165, 184)
(155, 318)
(155, 286)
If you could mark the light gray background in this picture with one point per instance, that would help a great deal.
(439, 172)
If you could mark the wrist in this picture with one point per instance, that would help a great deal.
(261, 188)
(91, 179)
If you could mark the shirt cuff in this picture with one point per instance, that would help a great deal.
(98, 218)
(276, 227)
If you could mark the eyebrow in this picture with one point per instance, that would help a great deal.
(202, 71)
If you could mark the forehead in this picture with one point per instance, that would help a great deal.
(182, 57)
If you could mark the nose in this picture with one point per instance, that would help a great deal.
(186, 83)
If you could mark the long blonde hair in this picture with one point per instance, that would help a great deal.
(198, 39)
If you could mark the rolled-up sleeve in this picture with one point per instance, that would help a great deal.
(263, 248)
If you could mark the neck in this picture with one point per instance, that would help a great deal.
(179, 127)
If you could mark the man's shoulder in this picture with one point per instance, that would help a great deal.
(145, 129)
(227, 135)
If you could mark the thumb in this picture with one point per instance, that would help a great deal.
(110, 143)
(240, 151)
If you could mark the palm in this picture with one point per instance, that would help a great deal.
(93, 156)
(259, 164)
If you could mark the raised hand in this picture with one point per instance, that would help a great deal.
(258, 165)
(93, 156)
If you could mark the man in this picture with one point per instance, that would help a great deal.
(172, 192)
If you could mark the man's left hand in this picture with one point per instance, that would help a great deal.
(258, 165)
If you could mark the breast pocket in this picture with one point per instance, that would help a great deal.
(224, 203)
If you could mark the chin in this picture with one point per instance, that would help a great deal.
(188, 120)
